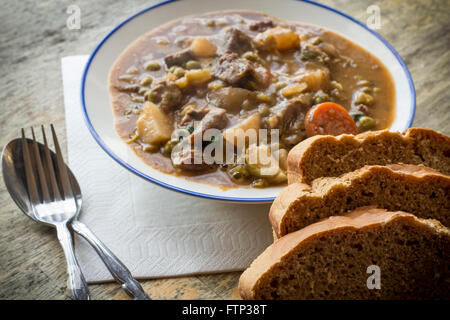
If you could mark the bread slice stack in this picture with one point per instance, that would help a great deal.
(378, 201)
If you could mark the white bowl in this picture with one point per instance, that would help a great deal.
(98, 111)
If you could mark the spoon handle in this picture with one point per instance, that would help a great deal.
(114, 265)
(77, 282)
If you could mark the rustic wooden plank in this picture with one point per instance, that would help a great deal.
(34, 37)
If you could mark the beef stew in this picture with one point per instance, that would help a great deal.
(237, 71)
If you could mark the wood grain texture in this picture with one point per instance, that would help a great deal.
(34, 38)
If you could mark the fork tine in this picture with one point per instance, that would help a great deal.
(29, 173)
(50, 168)
(42, 177)
(64, 177)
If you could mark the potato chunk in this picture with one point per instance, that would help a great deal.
(196, 77)
(203, 48)
(234, 134)
(286, 39)
(292, 90)
(153, 126)
(316, 80)
(261, 163)
(280, 38)
(265, 41)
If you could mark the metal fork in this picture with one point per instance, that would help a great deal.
(56, 201)
(53, 206)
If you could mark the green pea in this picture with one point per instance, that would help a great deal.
(321, 97)
(145, 81)
(150, 96)
(366, 89)
(178, 72)
(363, 98)
(142, 91)
(152, 66)
(366, 123)
(251, 56)
(192, 64)
(337, 85)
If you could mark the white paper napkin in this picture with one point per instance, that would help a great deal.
(154, 231)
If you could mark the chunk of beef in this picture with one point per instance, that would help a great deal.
(288, 112)
(191, 158)
(167, 95)
(261, 75)
(262, 25)
(232, 69)
(238, 71)
(194, 115)
(215, 118)
(179, 58)
(237, 41)
(289, 118)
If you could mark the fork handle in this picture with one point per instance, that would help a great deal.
(77, 282)
(118, 270)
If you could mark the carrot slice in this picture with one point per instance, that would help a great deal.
(329, 118)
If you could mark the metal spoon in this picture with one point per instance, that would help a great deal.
(13, 169)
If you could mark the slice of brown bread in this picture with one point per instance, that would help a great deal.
(416, 189)
(329, 156)
(330, 260)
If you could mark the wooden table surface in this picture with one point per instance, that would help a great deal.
(34, 38)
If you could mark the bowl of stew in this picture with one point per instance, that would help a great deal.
(209, 102)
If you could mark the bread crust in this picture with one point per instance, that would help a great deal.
(413, 146)
(361, 218)
(322, 191)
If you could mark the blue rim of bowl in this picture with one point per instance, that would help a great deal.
(205, 195)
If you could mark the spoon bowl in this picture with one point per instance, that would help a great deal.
(13, 169)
